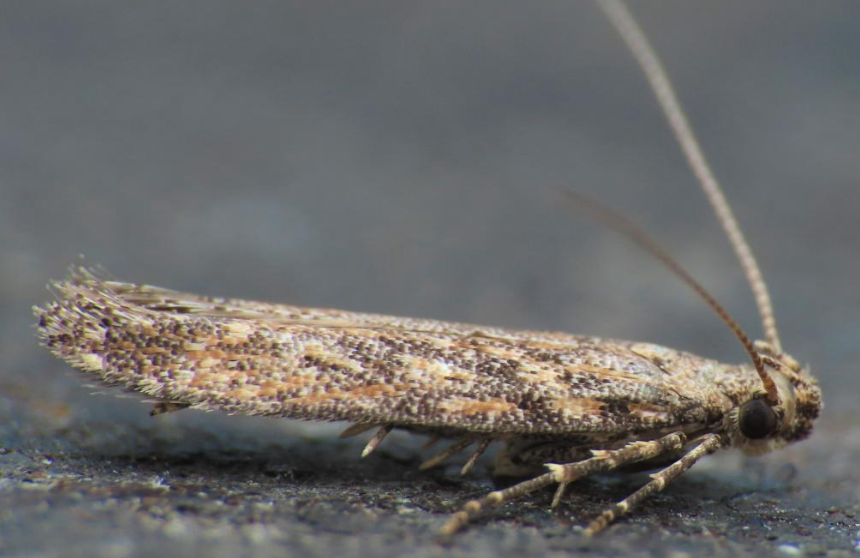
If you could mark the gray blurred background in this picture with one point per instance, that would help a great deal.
(400, 157)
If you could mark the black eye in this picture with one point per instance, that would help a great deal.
(757, 419)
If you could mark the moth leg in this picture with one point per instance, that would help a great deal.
(708, 445)
(493, 499)
(475, 455)
(431, 442)
(454, 448)
(606, 460)
(377, 439)
(356, 429)
(563, 474)
(162, 407)
(524, 459)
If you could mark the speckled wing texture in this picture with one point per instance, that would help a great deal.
(256, 358)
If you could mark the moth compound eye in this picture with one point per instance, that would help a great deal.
(757, 419)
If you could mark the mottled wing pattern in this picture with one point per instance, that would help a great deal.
(257, 358)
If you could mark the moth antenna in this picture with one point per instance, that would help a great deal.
(640, 237)
(646, 57)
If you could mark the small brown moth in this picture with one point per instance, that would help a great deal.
(587, 403)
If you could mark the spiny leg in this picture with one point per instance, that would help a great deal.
(564, 474)
(431, 442)
(162, 407)
(475, 455)
(453, 449)
(356, 429)
(377, 439)
(493, 499)
(606, 460)
(709, 444)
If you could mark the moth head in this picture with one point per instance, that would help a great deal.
(772, 419)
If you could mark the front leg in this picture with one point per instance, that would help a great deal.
(603, 460)
(521, 458)
(707, 445)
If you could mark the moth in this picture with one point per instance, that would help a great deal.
(574, 405)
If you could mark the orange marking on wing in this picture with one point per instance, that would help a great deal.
(206, 353)
(578, 406)
(316, 398)
(240, 394)
(471, 407)
(646, 410)
(601, 371)
(203, 379)
(378, 390)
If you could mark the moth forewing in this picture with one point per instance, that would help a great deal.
(251, 358)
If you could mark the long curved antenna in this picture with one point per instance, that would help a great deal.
(632, 34)
(641, 238)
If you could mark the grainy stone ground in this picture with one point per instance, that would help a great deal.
(397, 158)
(188, 487)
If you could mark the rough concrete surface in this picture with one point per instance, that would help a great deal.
(399, 157)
